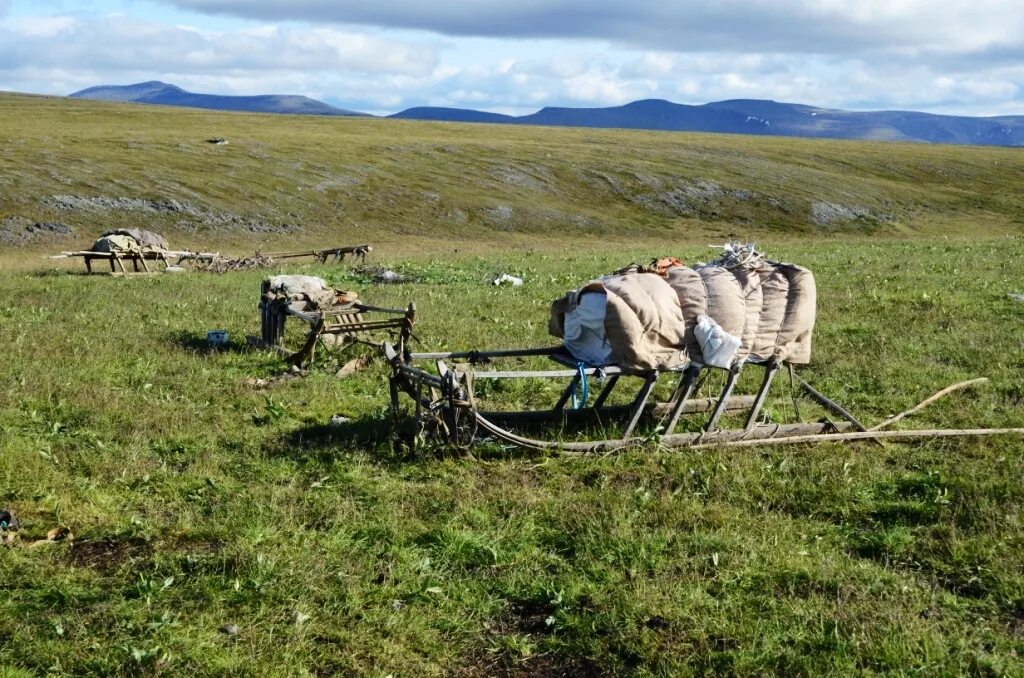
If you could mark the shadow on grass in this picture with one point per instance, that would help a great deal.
(324, 442)
(378, 437)
(74, 273)
(199, 345)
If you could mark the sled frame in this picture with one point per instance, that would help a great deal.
(351, 322)
(451, 387)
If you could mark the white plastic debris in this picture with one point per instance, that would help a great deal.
(717, 346)
(506, 278)
(217, 337)
(388, 277)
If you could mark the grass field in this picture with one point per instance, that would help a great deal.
(198, 501)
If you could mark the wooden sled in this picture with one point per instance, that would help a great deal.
(341, 325)
(445, 404)
(138, 259)
(335, 254)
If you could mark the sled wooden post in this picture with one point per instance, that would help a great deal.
(730, 384)
(770, 370)
(687, 384)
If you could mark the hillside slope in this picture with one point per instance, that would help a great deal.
(71, 168)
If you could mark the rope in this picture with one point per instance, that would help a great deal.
(739, 255)
(583, 388)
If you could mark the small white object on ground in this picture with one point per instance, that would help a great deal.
(388, 277)
(506, 278)
(217, 337)
(174, 269)
(338, 420)
(1017, 296)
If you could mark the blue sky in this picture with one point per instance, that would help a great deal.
(381, 56)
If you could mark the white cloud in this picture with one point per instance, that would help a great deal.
(42, 27)
(814, 26)
(120, 44)
(384, 70)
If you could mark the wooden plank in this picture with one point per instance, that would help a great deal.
(469, 355)
(526, 374)
(759, 433)
(640, 402)
(697, 406)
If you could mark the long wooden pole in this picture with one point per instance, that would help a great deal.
(868, 435)
(929, 400)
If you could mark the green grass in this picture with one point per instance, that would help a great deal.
(198, 501)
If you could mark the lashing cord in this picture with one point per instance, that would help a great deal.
(583, 388)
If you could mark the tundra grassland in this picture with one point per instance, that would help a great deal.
(198, 501)
(281, 181)
(222, 526)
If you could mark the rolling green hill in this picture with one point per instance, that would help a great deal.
(92, 165)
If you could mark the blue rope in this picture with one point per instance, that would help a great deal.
(584, 388)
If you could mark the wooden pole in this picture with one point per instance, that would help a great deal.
(830, 404)
(929, 400)
(869, 435)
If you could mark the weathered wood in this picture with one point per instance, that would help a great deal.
(606, 391)
(929, 400)
(474, 355)
(758, 433)
(770, 371)
(698, 406)
(829, 404)
(523, 374)
(137, 259)
(716, 414)
(869, 435)
(640, 402)
(322, 254)
(354, 327)
(678, 402)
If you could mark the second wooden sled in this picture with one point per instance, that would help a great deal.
(341, 324)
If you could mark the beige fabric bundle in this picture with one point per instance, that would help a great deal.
(130, 241)
(650, 319)
(310, 292)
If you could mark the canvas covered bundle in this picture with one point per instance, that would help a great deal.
(719, 314)
(130, 241)
(309, 292)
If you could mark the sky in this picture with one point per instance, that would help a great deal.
(516, 56)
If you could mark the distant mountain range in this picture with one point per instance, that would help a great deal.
(756, 116)
(737, 116)
(156, 92)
